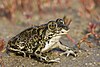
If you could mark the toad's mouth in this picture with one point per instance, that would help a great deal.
(63, 31)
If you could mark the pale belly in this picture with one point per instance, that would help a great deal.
(51, 44)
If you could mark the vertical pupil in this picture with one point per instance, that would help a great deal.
(53, 25)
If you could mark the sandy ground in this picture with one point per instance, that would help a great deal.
(88, 58)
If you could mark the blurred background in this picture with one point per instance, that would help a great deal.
(21, 10)
(17, 15)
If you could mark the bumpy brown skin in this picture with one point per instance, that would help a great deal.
(34, 40)
(28, 39)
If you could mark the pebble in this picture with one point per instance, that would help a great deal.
(90, 64)
(97, 54)
(74, 59)
(94, 63)
(80, 51)
(87, 56)
(89, 53)
(86, 63)
(32, 63)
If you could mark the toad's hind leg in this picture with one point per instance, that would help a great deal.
(42, 58)
(11, 51)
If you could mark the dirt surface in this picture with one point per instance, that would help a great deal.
(88, 57)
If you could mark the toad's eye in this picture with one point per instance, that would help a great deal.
(52, 25)
(60, 21)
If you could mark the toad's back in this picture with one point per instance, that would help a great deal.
(27, 40)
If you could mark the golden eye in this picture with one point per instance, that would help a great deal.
(52, 25)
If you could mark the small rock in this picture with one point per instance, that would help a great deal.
(86, 63)
(87, 56)
(89, 53)
(32, 63)
(80, 51)
(74, 59)
(90, 63)
(94, 63)
(97, 54)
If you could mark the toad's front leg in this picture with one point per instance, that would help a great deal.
(67, 50)
(42, 58)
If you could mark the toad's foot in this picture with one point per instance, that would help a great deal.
(57, 60)
(68, 52)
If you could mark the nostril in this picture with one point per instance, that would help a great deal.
(62, 32)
